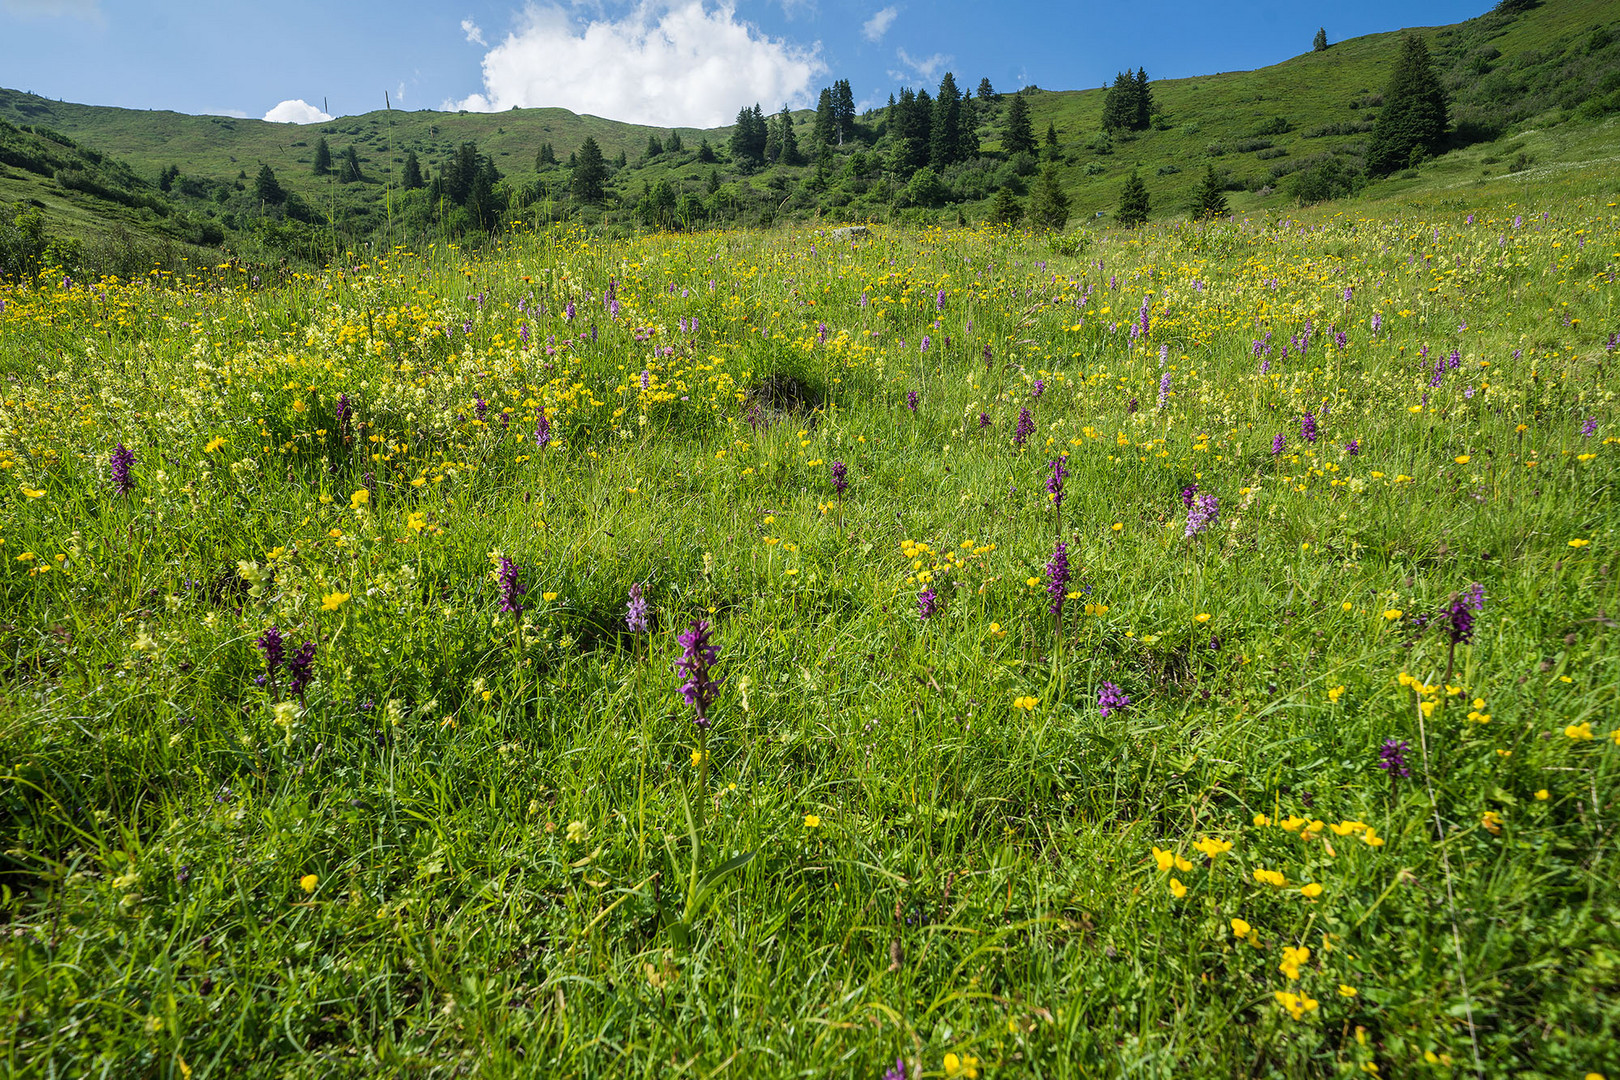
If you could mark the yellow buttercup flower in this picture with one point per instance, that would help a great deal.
(1177, 889)
(811, 821)
(333, 600)
(1213, 846)
(1164, 859)
(1580, 732)
(1028, 703)
(1579, 543)
(1292, 959)
(215, 443)
(1311, 891)
(1270, 877)
(965, 1066)
(1335, 694)
(359, 498)
(308, 882)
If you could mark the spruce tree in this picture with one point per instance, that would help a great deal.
(546, 157)
(788, 142)
(266, 187)
(705, 152)
(986, 91)
(1051, 151)
(1019, 135)
(349, 171)
(412, 176)
(1141, 102)
(655, 147)
(1210, 199)
(673, 143)
(1119, 105)
(590, 172)
(825, 128)
(1006, 209)
(748, 139)
(1049, 207)
(1319, 43)
(945, 135)
(323, 157)
(843, 109)
(1413, 120)
(1133, 202)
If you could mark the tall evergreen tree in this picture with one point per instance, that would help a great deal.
(1413, 120)
(1119, 105)
(267, 188)
(1210, 198)
(655, 147)
(910, 130)
(945, 133)
(1133, 202)
(411, 178)
(1019, 134)
(673, 143)
(590, 172)
(349, 168)
(1141, 101)
(546, 157)
(323, 157)
(748, 138)
(705, 152)
(986, 91)
(826, 125)
(789, 142)
(1319, 43)
(1051, 141)
(843, 109)
(1049, 206)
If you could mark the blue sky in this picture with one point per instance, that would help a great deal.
(666, 62)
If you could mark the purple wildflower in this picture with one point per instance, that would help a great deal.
(1054, 483)
(1459, 614)
(1392, 758)
(274, 648)
(121, 461)
(1307, 428)
(480, 408)
(987, 357)
(542, 431)
(840, 480)
(1353, 447)
(898, 1072)
(1026, 427)
(939, 301)
(1202, 515)
(1164, 389)
(1589, 428)
(1037, 388)
(1277, 444)
(926, 341)
(301, 669)
(1377, 322)
(698, 655)
(1110, 699)
(568, 311)
(984, 419)
(1132, 405)
(927, 604)
(523, 334)
(1187, 494)
(511, 588)
(635, 616)
(1057, 579)
(912, 398)
(342, 412)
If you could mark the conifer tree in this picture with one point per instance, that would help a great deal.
(1049, 206)
(748, 138)
(788, 143)
(1133, 202)
(843, 109)
(655, 147)
(323, 157)
(1141, 101)
(1019, 136)
(1006, 209)
(1413, 120)
(825, 128)
(1319, 43)
(1119, 106)
(1051, 150)
(546, 157)
(945, 134)
(590, 172)
(1210, 199)
(705, 152)
(267, 188)
(349, 170)
(411, 178)
(986, 92)
(673, 143)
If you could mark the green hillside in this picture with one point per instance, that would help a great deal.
(1529, 88)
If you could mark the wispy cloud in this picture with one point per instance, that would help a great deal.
(296, 111)
(930, 67)
(665, 62)
(878, 25)
(474, 35)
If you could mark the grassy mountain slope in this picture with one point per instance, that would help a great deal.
(1542, 86)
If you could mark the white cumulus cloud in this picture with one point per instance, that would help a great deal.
(296, 111)
(878, 25)
(665, 62)
(474, 35)
(930, 67)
